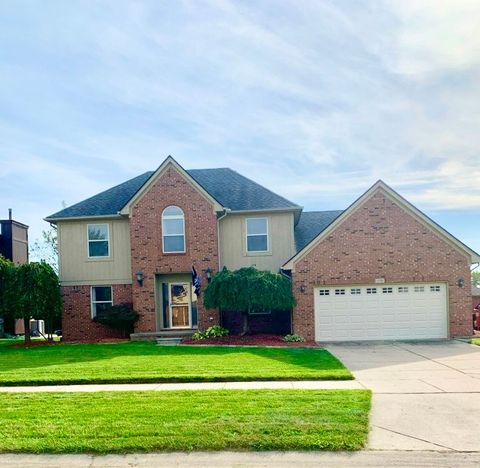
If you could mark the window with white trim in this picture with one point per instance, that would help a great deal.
(257, 234)
(324, 292)
(435, 288)
(339, 292)
(387, 290)
(101, 298)
(419, 288)
(98, 240)
(173, 230)
(371, 290)
(355, 291)
(403, 289)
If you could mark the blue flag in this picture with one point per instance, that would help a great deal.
(197, 283)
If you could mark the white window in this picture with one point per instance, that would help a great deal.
(173, 230)
(355, 291)
(435, 288)
(324, 292)
(101, 298)
(403, 289)
(257, 234)
(387, 290)
(371, 290)
(339, 292)
(98, 240)
(419, 288)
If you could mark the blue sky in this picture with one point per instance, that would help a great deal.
(314, 99)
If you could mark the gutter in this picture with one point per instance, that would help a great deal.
(76, 218)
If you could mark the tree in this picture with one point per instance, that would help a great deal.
(248, 289)
(476, 278)
(46, 249)
(37, 292)
(120, 317)
(6, 279)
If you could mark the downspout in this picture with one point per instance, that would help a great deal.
(291, 312)
(225, 213)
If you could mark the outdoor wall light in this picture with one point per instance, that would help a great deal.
(139, 276)
(208, 273)
(460, 282)
(302, 288)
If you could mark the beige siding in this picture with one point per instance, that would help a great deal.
(75, 266)
(233, 252)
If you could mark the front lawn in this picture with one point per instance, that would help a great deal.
(146, 362)
(124, 422)
(476, 341)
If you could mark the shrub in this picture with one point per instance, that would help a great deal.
(293, 338)
(119, 317)
(211, 332)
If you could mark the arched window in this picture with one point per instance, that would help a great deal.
(173, 230)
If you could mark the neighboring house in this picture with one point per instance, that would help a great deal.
(380, 269)
(13, 240)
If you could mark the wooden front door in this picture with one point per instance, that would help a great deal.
(180, 305)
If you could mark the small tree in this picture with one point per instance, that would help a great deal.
(46, 249)
(6, 279)
(476, 278)
(248, 289)
(37, 291)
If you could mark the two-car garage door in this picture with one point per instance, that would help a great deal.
(381, 312)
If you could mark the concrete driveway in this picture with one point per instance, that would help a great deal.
(426, 396)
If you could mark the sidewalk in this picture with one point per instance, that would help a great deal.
(288, 384)
(247, 459)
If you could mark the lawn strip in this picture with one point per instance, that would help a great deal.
(127, 422)
(135, 362)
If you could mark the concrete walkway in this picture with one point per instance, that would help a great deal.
(426, 396)
(288, 384)
(248, 459)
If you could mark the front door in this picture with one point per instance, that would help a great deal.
(180, 305)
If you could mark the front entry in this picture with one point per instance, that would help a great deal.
(179, 305)
(176, 301)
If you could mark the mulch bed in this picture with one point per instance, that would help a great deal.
(250, 340)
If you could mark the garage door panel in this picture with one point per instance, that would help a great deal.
(409, 311)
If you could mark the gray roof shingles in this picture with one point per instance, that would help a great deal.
(228, 187)
(311, 224)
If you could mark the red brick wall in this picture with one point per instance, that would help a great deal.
(77, 324)
(380, 239)
(146, 243)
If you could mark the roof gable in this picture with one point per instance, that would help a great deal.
(225, 188)
(403, 203)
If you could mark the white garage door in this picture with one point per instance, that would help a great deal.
(381, 312)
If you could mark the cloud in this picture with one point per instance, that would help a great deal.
(315, 100)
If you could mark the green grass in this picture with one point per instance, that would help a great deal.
(476, 341)
(146, 362)
(123, 422)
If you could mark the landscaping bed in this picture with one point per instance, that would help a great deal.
(250, 340)
(126, 422)
(144, 362)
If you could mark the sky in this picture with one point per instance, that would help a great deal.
(315, 100)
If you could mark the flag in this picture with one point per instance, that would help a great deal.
(197, 283)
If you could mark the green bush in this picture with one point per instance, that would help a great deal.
(293, 338)
(211, 332)
(120, 317)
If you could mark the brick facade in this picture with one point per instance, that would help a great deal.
(381, 239)
(201, 239)
(77, 324)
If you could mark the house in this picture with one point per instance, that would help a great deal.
(476, 307)
(380, 269)
(13, 240)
